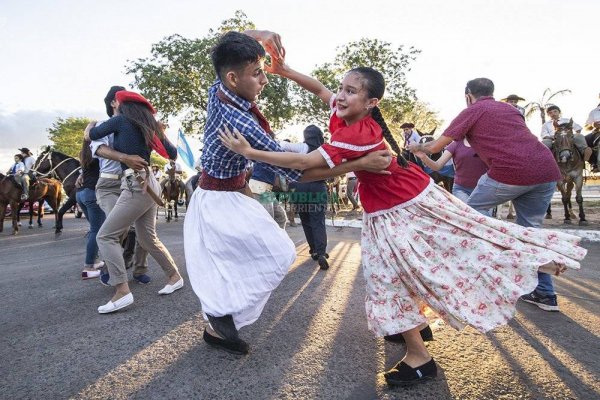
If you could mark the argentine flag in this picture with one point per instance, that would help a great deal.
(183, 148)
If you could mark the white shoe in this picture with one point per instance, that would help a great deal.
(168, 289)
(116, 305)
(98, 265)
(90, 274)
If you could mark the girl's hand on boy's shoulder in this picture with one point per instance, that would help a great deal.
(234, 140)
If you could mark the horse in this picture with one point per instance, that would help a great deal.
(63, 168)
(45, 189)
(10, 193)
(571, 163)
(445, 176)
(173, 189)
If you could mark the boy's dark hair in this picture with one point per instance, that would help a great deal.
(375, 86)
(480, 87)
(552, 107)
(19, 156)
(235, 50)
(110, 96)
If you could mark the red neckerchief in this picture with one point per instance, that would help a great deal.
(262, 121)
(158, 147)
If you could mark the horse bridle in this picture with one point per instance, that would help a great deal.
(52, 172)
(563, 153)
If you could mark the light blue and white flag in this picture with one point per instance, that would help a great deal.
(183, 148)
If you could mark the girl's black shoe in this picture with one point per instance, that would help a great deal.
(403, 374)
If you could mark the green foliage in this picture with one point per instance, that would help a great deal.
(157, 160)
(67, 135)
(393, 63)
(177, 76)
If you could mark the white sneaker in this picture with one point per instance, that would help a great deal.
(116, 305)
(168, 289)
(98, 265)
(90, 274)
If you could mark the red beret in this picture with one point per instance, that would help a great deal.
(123, 96)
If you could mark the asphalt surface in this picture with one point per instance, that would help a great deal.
(311, 342)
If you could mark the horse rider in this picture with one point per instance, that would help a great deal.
(592, 117)
(548, 130)
(156, 172)
(410, 134)
(593, 139)
(514, 100)
(172, 164)
(28, 176)
(18, 172)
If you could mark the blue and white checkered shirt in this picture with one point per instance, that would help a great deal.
(217, 160)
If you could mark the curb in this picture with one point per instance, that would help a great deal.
(587, 235)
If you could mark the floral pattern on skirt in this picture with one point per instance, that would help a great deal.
(435, 251)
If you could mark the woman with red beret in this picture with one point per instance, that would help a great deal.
(136, 132)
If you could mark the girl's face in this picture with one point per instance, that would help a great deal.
(352, 100)
(17, 159)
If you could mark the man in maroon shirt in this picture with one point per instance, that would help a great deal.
(521, 168)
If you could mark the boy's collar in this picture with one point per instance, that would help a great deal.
(234, 98)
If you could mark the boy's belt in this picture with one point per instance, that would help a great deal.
(109, 176)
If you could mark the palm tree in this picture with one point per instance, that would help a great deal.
(540, 106)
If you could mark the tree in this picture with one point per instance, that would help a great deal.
(541, 105)
(177, 76)
(399, 103)
(157, 160)
(67, 135)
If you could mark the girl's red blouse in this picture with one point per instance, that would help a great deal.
(377, 192)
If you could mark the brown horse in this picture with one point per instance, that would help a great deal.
(570, 162)
(54, 164)
(10, 193)
(172, 190)
(45, 189)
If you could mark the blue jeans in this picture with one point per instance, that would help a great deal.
(531, 203)
(86, 198)
(462, 193)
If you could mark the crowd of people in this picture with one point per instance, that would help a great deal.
(422, 247)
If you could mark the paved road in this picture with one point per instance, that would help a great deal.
(310, 343)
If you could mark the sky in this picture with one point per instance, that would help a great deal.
(60, 57)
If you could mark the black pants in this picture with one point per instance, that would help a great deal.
(312, 216)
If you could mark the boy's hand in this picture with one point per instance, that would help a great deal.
(377, 162)
(133, 161)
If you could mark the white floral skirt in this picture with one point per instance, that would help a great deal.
(435, 251)
(235, 254)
